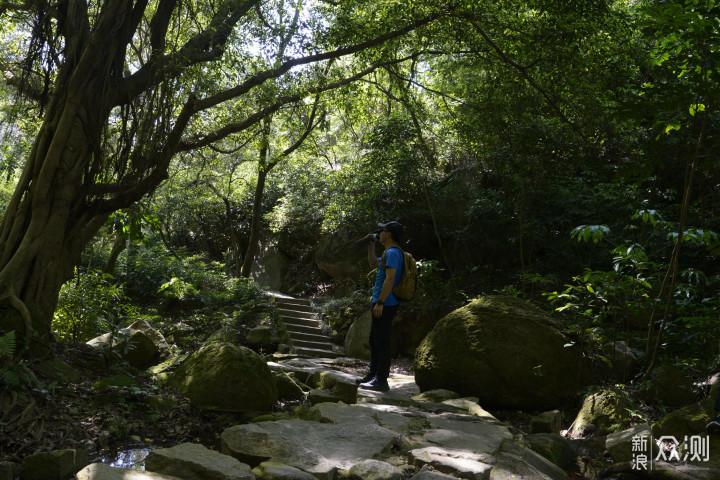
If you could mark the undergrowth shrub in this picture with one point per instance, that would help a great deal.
(90, 304)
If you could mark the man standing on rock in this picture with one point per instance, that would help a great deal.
(385, 305)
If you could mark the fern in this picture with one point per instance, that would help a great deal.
(10, 377)
(7, 344)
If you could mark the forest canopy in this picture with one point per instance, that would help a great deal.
(560, 151)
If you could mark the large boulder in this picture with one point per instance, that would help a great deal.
(271, 268)
(226, 377)
(357, 344)
(338, 256)
(263, 337)
(504, 351)
(669, 386)
(140, 344)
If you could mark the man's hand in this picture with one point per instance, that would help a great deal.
(377, 311)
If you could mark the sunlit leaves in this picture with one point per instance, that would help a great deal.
(587, 233)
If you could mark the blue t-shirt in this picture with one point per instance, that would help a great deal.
(393, 259)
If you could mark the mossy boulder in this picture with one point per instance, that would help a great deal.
(671, 387)
(226, 333)
(57, 369)
(505, 351)
(603, 412)
(357, 343)
(552, 446)
(287, 387)
(263, 336)
(140, 344)
(689, 420)
(226, 377)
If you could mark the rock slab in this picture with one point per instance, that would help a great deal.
(317, 448)
(101, 471)
(191, 461)
(57, 465)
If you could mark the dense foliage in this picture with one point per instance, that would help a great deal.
(567, 153)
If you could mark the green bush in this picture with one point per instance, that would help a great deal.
(89, 305)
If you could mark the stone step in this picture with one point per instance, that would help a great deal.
(314, 352)
(302, 307)
(296, 313)
(309, 322)
(325, 345)
(309, 337)
(303, 329)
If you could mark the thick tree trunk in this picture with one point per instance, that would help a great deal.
(48, 221)
(46, 227)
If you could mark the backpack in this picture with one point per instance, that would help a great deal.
(405, 290)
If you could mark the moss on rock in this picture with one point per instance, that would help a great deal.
(226, 377)
(506, 352)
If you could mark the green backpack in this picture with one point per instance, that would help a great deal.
(405, 290)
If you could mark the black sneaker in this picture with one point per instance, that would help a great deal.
(377, 385)
(713, 426)
(364, 379)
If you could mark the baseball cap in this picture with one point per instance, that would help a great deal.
(392, 227)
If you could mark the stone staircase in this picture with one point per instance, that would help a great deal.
(303, 327)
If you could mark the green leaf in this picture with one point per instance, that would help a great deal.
(7, 344)
(698, 107)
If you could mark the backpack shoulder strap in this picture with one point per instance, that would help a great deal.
(383, 261)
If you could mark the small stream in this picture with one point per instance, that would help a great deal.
(133, 459)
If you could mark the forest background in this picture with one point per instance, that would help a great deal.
(565, 152)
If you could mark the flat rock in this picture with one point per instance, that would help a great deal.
(279, 471)
(101, 471)
(386, 416)
(375, 470)
(427, 474)
(317, 448)
(192, 461)
(460, 463)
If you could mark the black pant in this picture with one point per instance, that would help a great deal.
(380, 343)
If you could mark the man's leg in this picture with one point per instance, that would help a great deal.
(382, 343)
(373, 353)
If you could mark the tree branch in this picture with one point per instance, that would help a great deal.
(524, 72)
(5, 6)
(261, 77)
(205, 46)
(282, 101)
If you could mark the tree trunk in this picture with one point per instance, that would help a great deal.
(121, 241)
(256, 222)
(47, 223)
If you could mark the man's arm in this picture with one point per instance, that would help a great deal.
(372, 258)
(386, 289)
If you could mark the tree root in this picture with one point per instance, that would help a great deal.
(15, 302)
